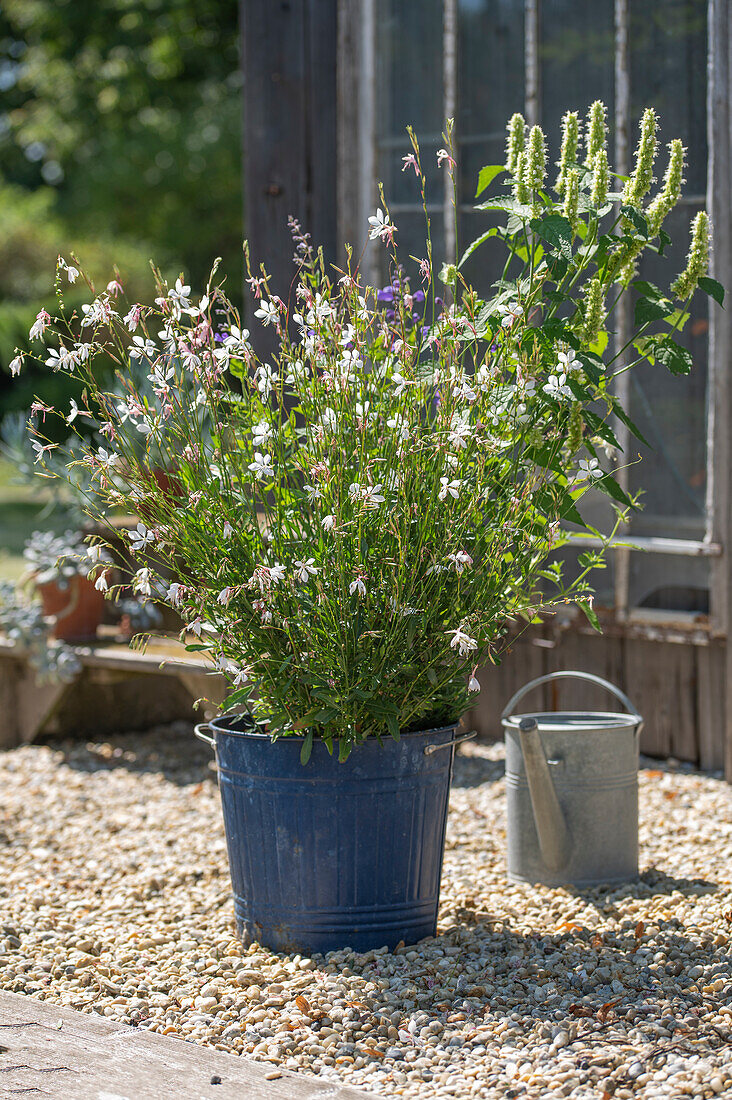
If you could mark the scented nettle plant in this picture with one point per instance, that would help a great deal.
(352, 523)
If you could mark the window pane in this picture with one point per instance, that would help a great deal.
(577, 57)
(668, 72)
(490, 90)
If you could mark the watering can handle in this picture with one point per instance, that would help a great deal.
(577, 676)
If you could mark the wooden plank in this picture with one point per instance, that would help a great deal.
(91, 1058)
(710, 705)
(289, 134)
(9, 732)
(584, 653)
(661, 681)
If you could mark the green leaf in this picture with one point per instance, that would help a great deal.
(648, 290)
(713, 289)
(393, 726)
(625, 419)
(609, 486)
(636, 219)
(307, 747)
(487, 175)
(590, 614)
(556, 231)
(674, 357)
(476, 244)
(664, 241)
(647, 310)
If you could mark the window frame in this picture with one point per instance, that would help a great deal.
(358, 194)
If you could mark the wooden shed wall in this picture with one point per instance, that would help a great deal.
(677, 685)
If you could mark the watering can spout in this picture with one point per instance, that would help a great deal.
(554, 839)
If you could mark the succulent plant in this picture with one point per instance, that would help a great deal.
(23, 623)
(59, 558)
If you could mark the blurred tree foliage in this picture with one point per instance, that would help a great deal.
(120, 138)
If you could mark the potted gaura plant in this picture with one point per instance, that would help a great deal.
(357, 520)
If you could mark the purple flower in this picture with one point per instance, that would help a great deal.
(418, 297)
(386, 294)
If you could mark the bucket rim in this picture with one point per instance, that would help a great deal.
(599, 719)
(217, 727)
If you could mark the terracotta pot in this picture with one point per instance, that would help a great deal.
(78, 609)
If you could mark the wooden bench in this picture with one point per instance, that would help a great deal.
(115, 689)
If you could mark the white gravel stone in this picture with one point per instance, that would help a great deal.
(115, 899)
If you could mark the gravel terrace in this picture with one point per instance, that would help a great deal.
(114, 898)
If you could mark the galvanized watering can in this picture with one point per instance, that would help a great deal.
(572, 791)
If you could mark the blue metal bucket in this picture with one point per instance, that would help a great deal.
(327, 855)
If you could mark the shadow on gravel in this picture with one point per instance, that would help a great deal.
(472, 771)
(172, 752)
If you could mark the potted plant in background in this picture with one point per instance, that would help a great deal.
(59, 567)
(361, 516)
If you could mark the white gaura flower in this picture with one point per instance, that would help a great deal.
(296, 372)
(401, 383)
(380, 226)
(568, 362)
(371, 496)
(237, 341)
(462, 642)
(510, 313)
(266, 378)
(228, 529)
(555, 386)
(189, 359)
(460, 561)
(473, 684)
(261, 433)
(101, 584)
(141, 582)
(140, 537)
(15, 366)
(262, 466)
(179, 295)
(61, 359)
(328, 523)
(357, 586)
(224, 596)
(72, 274)
(264, 611)
(41, 448)
(400, 426)
(174, 593)
(268, 313)
(329, 420)
(132, 318)
(314, 493)
(363, 416)
(107, 458)
(589, 468)
(277, 573)
(142, 348)
(460, 431)
(304, 570)
(451, 487)
(40, 325)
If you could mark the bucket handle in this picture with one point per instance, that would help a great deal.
(206, 737)
(429, 749)
(589, 676)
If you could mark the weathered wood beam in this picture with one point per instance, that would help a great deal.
(55, 1052)
(719, 454)
(288, 53)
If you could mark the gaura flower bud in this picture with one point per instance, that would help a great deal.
(600, 178)
(516, 142)
(594, 311)
(568, 155)
(698, 258)
(571, 197)
(520, 186)
(669, 194)
(596, 136)
(640, 182)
